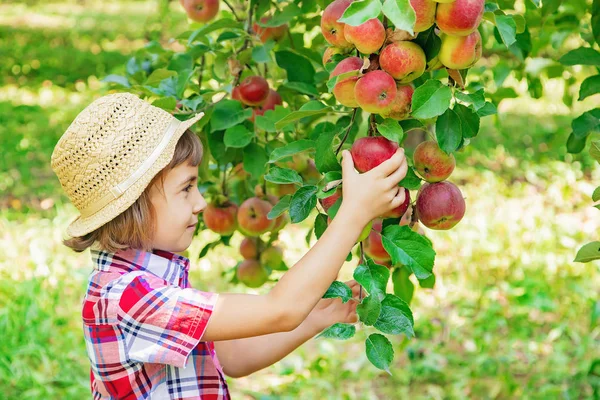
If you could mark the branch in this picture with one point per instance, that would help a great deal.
(232, 11)
(372, 126)
(200, 74)
(337, 151)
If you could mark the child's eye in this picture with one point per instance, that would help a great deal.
(187, 188)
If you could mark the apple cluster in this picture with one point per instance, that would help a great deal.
(394, 59)
(200, 10)
(254, 91)
(258, 261)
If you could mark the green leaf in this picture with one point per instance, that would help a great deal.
(369, 310)
(411, 181)
(596, 194)
(291, 148)
(268, 120)
(338, 289)
(431, 99)
(282, 206)
(487, 109)
(595, 150)
(409, 248)
(380, 351)
(262, 54)
(255, 158)
(325, 159)
(283, 176)
(296, 115)
(581, 56)
(228, 113)
(238, 136)
(576, 144)
(427, 283)
(596, 20)
(320, 225)
(589, 252)
(448, 130)
(429, 42)
(589, 87)
(391, 130)
(298, 67)
(220, 23)
(410, 124)
(361, 11)
(477, 98)
(338, 331)
(302, 87)
(586, 123)
(290, 12)
(508, 29)
(469, 120)
(396, 317)
(166, 103)
(373, 277)
(118, 79)
(303, 201)
(401, 13)
(158, 75)
(181, 62)
(550, 7)
(403, 287)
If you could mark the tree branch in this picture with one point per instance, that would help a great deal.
(232, 10)
(337, 151)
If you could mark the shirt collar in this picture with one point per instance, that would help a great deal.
(164, 264)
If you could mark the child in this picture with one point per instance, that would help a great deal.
(131, 170)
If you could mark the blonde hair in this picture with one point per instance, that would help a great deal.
(133, 228)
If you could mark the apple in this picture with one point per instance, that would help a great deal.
(328, 202)
(272, 257)
(369, 152)
(405, 61)
(285, 188)
(330, 52)
(272, 32)
(254, 90)
(280, 221)
(375, 91)
(332, 30)
(201, 10)
(440, 205)
(373, 245)
(344, 89)
(252, 217)
(401, 105)
(432, 163)
(444, 1)
(311, 174)
(460, 52)
(273, 99)
(459, 18)
(425, 11)
(399, 211)
(221, 218)
(235, 94)
(368, 37)
(251, 273)
(249, 248)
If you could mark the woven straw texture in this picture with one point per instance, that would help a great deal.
(103, 146)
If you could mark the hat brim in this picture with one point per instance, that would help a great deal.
(82, 226)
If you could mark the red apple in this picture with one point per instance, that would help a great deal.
(273, 99)
(405, 61)
(201, 10)
(368, 37)
(332, 30)
(375, 91)
(254, 90)
(369, 152)
(235, 94)
(460, 52)
(251, 273)
(373, 246)
(221, 218)
(272, 32)
(461, 17)
(401, 105)
(401, 209)
(252, 217)
(344, 89)
(249, 248)
(440, 205)
(328, 202)
(280, 221)
(272, 257)
(432, 163)
(425, 11)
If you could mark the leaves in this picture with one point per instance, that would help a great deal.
(338, 289)
(298, 67)
(469, 120)
(290, 149)
(303, 201)
(369, 310)
(237, 136)
(280, 207)
(581, 56)
(361, 11)
(325, 158)
(448, 131)
(283, 176)
(586, 123)
(589, 87)
(401, 13)
(403, 287)
(409, 248)
(411, 181)
(296, 115)
(338, 331)
(507, 28)
(373, 278)
(395, 317)
(589, 252)
(391, 130)
(380, 351)
(431, 99)
(255, 159)
(228, 113)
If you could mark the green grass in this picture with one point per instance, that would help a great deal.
(510, 316)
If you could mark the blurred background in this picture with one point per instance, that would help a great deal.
(511, 315)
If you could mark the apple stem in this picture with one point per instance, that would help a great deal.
(337, 151)
(372, 126)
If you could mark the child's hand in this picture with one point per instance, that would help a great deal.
(331, 311)
(371, 194)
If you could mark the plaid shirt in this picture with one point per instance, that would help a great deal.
(143, 323)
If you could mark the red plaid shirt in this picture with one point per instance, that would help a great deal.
(143, 323)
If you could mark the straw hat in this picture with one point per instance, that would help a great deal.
(109, 155)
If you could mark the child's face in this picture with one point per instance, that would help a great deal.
(177, 209)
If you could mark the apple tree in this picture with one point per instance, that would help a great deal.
(286, 85)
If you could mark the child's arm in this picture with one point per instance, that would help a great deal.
(365, 197)
(243, 357)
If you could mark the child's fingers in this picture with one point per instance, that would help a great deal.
(397, 175)
(355, 287)
(392, 164)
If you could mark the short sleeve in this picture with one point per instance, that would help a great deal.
(162, 323)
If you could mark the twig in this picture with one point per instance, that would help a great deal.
(200, 74)
(337, 151)
(332, 184)
(232, 10)
(372, 126)
(413, 217)
(224, 182)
